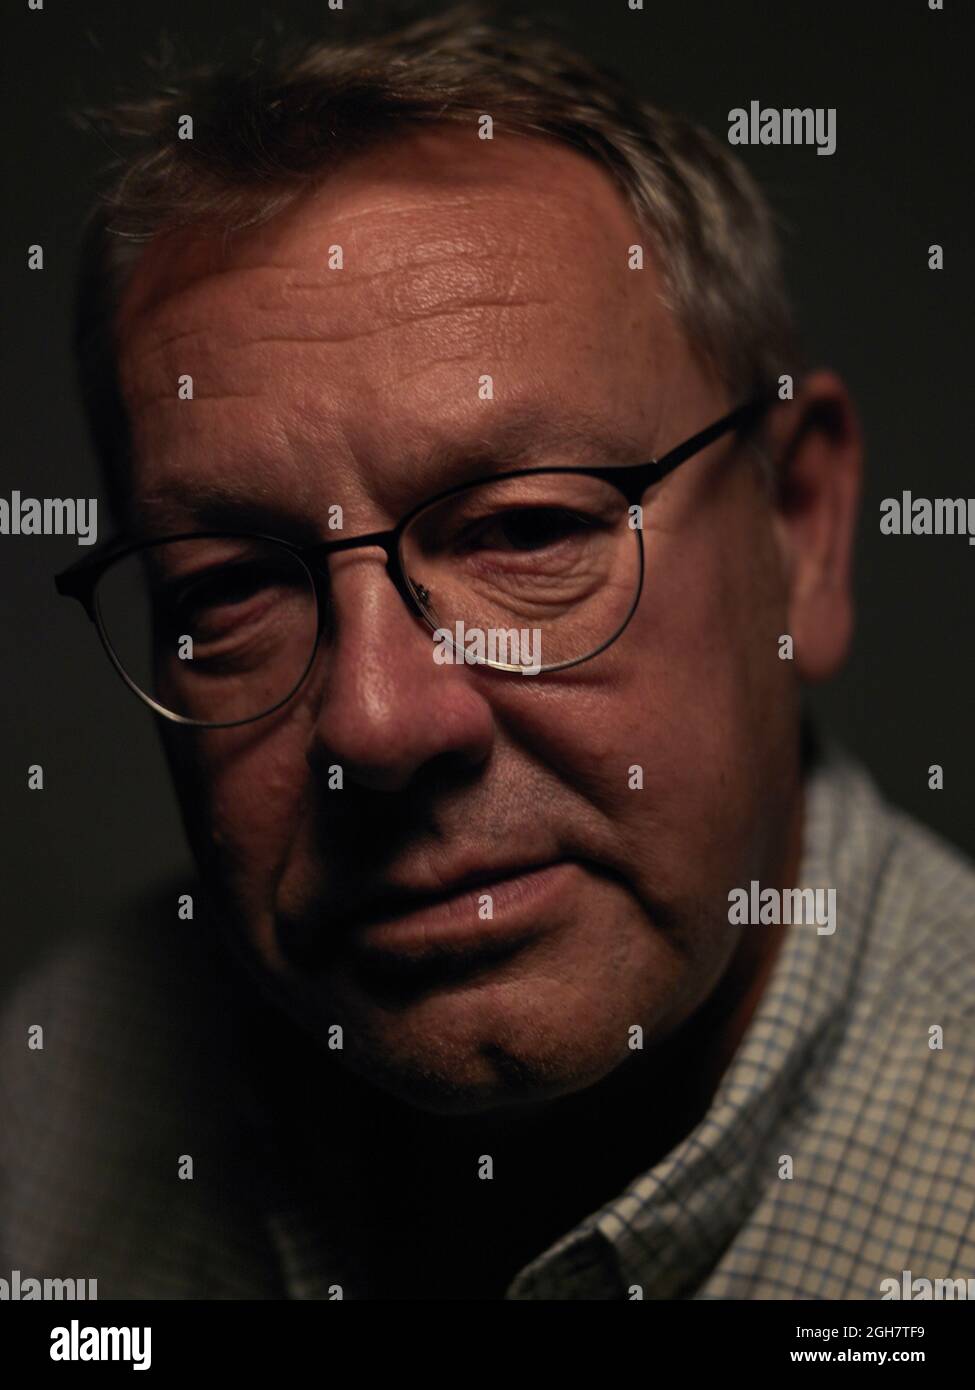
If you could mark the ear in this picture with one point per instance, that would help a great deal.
(818, 454)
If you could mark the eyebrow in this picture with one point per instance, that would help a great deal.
(212, 504)
(526, 435)
(526, 432)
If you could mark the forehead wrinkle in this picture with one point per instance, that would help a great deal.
(175, 267)
(324, 338)
(373, 186)
(471, 321)
(210, 349)
(153, 290)
(440, 284)
(464, 329)
(356, 273)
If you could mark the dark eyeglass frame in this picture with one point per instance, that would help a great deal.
(80, 579)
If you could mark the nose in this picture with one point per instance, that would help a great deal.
(386, 708)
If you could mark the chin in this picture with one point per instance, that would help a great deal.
(466, 1056)
(472, 1087)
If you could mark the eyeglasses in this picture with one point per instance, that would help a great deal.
(530, 572)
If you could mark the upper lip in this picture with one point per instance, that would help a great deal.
(390, 899)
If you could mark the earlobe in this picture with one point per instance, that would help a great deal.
(819, 456)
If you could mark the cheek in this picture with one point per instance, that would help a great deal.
(243, 793)
(715, 606)
(693, 703)
(720, 706)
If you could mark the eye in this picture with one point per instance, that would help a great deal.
(216, 593)
(228, 585)
(528, 528)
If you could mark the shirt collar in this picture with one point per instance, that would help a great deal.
(662, 1235)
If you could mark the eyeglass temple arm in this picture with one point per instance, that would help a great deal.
(76, 580)
(636, 478)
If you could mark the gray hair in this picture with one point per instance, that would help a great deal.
(262, 134)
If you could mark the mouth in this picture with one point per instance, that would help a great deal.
(477, 917)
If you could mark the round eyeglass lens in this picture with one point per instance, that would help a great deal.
(526, 573)
(213, 629)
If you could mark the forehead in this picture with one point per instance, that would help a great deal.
(482, 284)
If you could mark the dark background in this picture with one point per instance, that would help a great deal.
(857, 228)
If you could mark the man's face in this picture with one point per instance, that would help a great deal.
(358, 386)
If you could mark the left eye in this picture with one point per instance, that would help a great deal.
(529, 528)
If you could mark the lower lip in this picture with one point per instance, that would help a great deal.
(453, 927)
